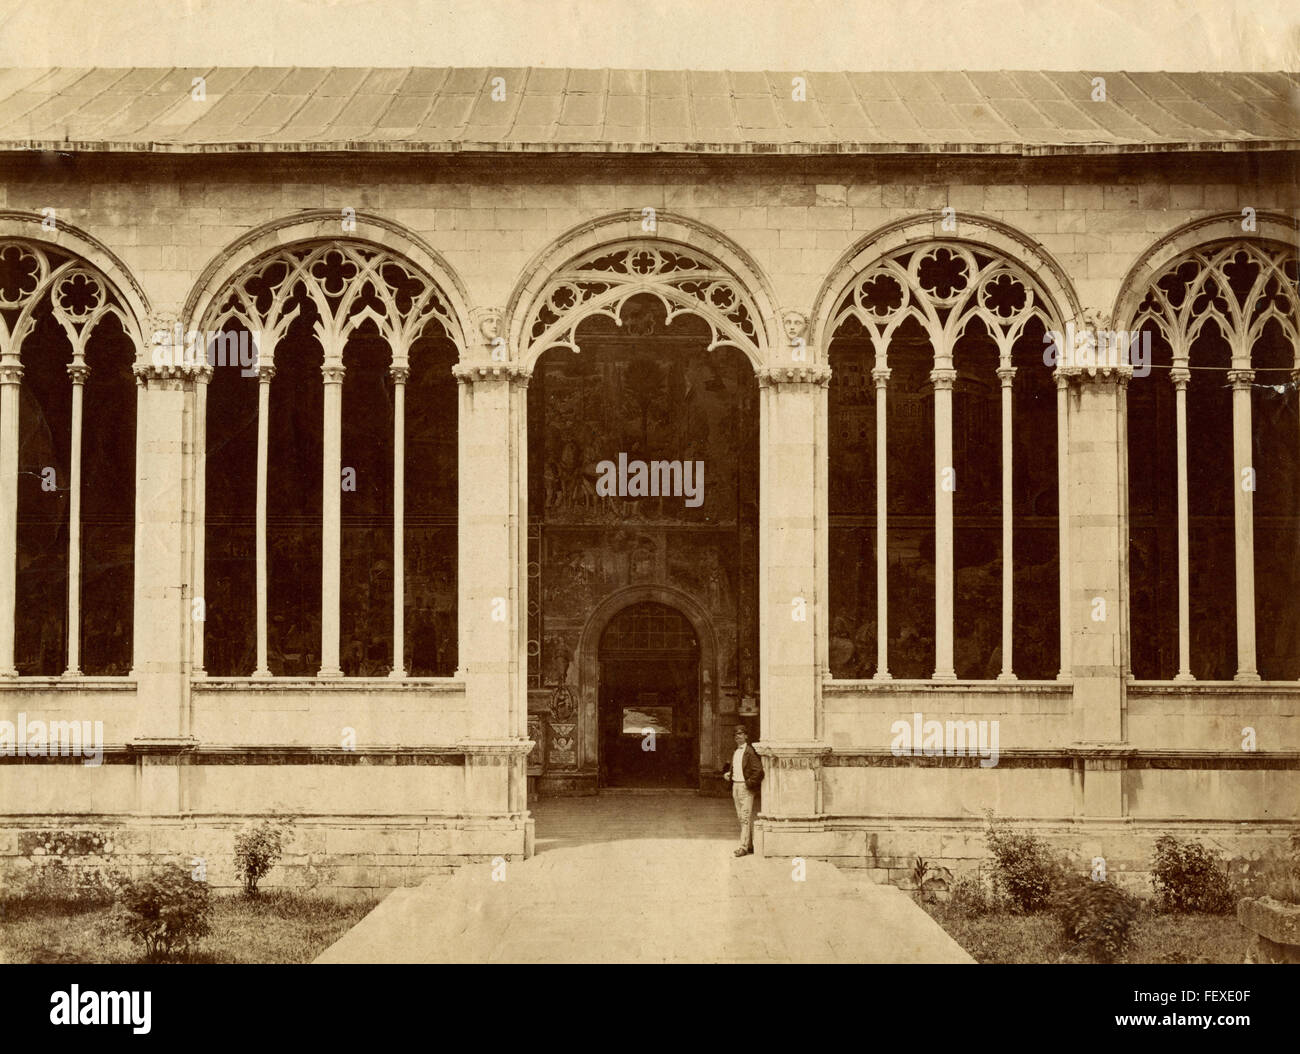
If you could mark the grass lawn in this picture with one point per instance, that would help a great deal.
(1154, 938)
(276, 927)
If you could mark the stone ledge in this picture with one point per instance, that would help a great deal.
(1272, 919)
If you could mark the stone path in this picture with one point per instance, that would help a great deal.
(645, 878)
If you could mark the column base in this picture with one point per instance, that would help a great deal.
(1248, 677)
(944, 675)
(1006, 678)
(886, 676)
(330, 673)
(1184, 677)
(397, 675)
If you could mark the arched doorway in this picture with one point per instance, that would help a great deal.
(649, 699)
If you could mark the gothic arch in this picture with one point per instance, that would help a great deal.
(325, 226)
(598, 267)
(974, 233)
(1273, 230)
(88, 255)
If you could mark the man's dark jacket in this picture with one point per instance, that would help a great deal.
(751, 768)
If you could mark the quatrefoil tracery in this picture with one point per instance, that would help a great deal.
(78, 296)
(944, 286)
(1240, 286)
(349, 284)
(603, 281)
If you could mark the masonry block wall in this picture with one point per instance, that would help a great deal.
(1100, 764)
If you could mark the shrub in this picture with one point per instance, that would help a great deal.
(1187, 877)
(166, 910)
(1096, 916)
(1023, 870)
(971, 898)
(257, 850)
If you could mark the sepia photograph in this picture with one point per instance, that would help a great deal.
(647, 482)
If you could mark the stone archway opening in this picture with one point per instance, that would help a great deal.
(642, 487)
(649, 699)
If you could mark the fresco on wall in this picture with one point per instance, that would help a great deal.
(651, 392)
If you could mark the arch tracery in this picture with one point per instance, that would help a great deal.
(349, 283)
(602, 281)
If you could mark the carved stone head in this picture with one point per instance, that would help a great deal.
(490, 325)
(794, 323)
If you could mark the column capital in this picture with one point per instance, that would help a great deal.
(11, 373)
(164, 377)
(881, 375)
(1241, 378)
(781, 376)
(333, 372)
(265, 372)
(1179, 376)
(468, 373)
(1006, 374)
(1096, 375)
(78, 371)
(399, 374)
(943, 377)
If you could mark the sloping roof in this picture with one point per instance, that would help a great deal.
(556, 110)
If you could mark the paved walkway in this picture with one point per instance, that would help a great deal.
(645, 878)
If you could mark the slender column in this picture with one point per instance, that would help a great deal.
(400, 374)
(881, 376)
(265, 373)
(1063, 515)
(1180, 375)
(1007, 373)
(78, 371)
(331, 536)
(943, 378)
(1244, 518)
(202, 375)
(11, 378)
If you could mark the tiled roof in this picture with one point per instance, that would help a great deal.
(551, 110)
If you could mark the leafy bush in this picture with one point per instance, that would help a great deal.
(971, 898)
(1096, 916)
(165, 910)
(1187, 877)
(1023, 870)
(257, 849)
(53, 882)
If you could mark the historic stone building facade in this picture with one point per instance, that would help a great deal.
(520, 430)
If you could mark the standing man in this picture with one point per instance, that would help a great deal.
(745, 772)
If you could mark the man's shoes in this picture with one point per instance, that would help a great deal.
(742, 851)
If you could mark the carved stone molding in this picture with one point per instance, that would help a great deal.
(782, 376)
(163, 377)
(794, 755)
(489, 373)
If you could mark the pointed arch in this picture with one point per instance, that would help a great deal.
(599, 267)
(1214, 476)
(953, 319)
(371, 242)
(58, 286)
